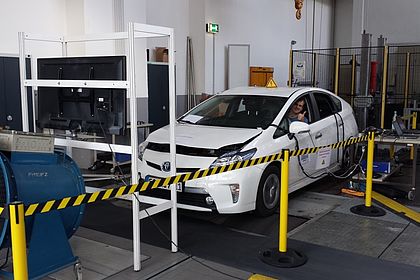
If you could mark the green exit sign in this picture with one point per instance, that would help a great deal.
(212, 27)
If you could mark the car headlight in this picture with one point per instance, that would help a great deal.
(142, 148)
(233, 157)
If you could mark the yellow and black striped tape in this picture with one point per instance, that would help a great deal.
(337, 145)
(58, 204)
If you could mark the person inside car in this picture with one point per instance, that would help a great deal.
(296, 114)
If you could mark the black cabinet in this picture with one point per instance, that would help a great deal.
(10, 100)
(158, 88)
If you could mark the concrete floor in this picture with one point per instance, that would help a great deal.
(336, 242)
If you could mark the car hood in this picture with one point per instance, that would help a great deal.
(209, 137)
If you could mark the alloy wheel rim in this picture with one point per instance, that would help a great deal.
(271, 191)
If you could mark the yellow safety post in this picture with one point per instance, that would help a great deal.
(353, 79)
(281, 256)
(367, 209)
(337, 70)
(369, 169)
(17, 226)
(413, 126)
(284, 188)
(407, 79)
(290, 82)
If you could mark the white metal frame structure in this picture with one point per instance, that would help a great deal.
(135, 31)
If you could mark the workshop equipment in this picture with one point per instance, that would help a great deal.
(31, 172)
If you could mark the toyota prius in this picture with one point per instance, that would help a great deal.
(242, 124)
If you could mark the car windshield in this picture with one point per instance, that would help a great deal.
(243, 111)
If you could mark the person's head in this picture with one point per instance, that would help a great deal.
(298, 106)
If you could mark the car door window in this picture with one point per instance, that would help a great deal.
(325, 105)
(283, 127)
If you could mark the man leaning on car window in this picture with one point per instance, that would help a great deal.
(296, 114)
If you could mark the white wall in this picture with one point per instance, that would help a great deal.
(268, 26)
(36, 17)
(174, 14)
(396, 20)
(196, 24)
(343, 23)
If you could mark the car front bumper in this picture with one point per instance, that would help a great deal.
(217, 188)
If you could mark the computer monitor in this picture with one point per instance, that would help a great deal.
(94, 110)
(398, 129)
(401, 123)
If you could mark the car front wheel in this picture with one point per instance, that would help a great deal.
(268, 192)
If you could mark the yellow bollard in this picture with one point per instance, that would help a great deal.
(281, 257)
(369, 169)
(284, 192)
(368, 209)
(17, 226)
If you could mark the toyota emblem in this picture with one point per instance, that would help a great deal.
(166, 166)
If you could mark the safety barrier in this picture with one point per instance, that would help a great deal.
(382, 78)
(17, 220)
(284, 257)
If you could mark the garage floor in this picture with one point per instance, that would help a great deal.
(338, 243)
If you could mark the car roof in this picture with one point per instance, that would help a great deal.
(279, 91)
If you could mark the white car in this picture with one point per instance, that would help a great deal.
(246, 123)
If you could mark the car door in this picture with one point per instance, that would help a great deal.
(327, 126)
(303, 166)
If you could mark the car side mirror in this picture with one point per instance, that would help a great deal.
(298, 127)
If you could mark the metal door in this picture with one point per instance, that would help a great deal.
(158, 86)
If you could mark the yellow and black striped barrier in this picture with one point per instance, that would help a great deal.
(17, 228)
(58, 204)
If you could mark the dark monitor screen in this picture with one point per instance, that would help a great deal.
(83, 109)
(401, 123)
(398, 128)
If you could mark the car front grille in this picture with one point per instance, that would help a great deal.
(192, 151)
(178, 170)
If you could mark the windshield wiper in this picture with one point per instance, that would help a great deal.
(186, 121)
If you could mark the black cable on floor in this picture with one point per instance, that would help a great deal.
(157, 226)
(182, 251)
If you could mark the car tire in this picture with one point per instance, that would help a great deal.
(268, 195)
(348, 159)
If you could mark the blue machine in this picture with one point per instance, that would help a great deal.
(33, 177)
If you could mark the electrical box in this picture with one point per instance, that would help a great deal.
(13, 141)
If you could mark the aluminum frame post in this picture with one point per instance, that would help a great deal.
(172, 146)
(313, 69)
(290, 82)
(23, 94)
(384, 86)
(134, 147)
